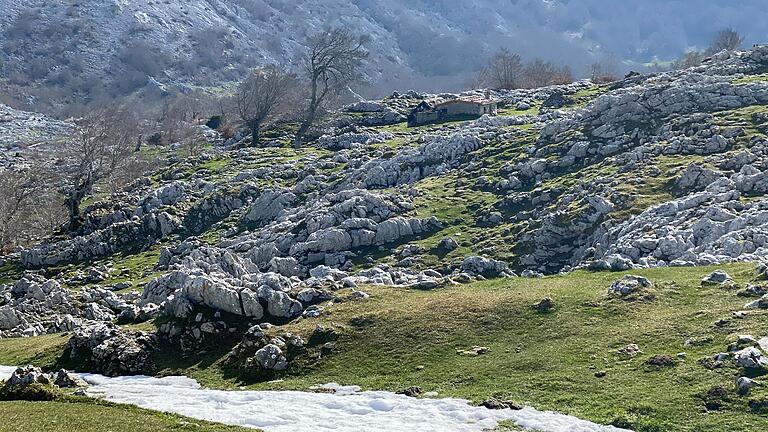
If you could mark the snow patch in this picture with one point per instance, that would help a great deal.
(6, 372)
(346, 410)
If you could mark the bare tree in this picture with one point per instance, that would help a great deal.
(103, 146)
(27, 206)
(334, 62)
(260, 96)
(539, 73)
(504, 71)
(563, 75)
(602, 72)
(727, 39)
(689, 60)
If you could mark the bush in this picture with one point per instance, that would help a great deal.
(30, 392)
(759, 405)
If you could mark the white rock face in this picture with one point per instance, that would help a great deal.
(20, 130)
(704, 228)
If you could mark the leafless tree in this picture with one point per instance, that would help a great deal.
(260, 96)
(28, 207)
(103, 146)
(689, 60)
(333, 63)
(602, 72)
(727, 39)
(504, 71)
(538, 73)
(563, 75)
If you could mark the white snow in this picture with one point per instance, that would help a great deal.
(346, 410)
(6, 371)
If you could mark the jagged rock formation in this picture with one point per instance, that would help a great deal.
(656, 170)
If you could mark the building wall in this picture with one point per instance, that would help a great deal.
(454, 110)
(460, 108)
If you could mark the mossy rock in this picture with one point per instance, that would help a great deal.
(30, 392)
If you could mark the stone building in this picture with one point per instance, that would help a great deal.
(460, 108)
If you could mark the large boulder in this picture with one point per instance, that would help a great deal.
(486, 267)
(628, 284)
(112, 351)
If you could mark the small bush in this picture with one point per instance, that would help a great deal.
(759, 405)
(662, 360)
(31, 392)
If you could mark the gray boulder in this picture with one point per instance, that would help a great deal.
(628, 284)
(717, 277)
(271, 358)
(486, 267)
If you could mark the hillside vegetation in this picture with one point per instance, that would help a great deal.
(389, 257)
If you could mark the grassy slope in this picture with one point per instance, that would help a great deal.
(96, 417)
(546, 360)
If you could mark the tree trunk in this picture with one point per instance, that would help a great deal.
(255, 134)
(73, 203)
(304, 127)
(300, 134)
(73, 209)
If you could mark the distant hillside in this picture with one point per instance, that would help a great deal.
(60, 51)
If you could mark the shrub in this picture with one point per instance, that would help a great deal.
(30, 392)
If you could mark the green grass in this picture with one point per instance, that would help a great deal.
(89, 416)
(136, 268)
(751, 79)
(455, 207)
(646, 190)
(42, 351)
(583, 97)
(546, 360)
(513, 111)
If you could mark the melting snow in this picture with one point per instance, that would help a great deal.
(346, 410)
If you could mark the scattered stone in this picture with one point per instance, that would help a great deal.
(411, 391)
(327, 348)
(544, 305)
(447, 244)
(744, 385)
(485, 267)
(717, 277)
(65, 379)
(761, 303)
(271, 358)
(628, 284)
(474, 351)
(497, 404)
(631, 351)
(751, 358)
(28, 375)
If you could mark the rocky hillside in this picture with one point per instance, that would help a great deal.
(650, 171)
(58, 51)
(25, 134)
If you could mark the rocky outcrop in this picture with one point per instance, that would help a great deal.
(35, 305)
(122, 236)
(704, 228)
(436, 156)
(112, 351)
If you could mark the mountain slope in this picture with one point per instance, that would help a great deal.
(222, 264)
(51, 50)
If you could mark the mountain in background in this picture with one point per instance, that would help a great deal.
(63, 52)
